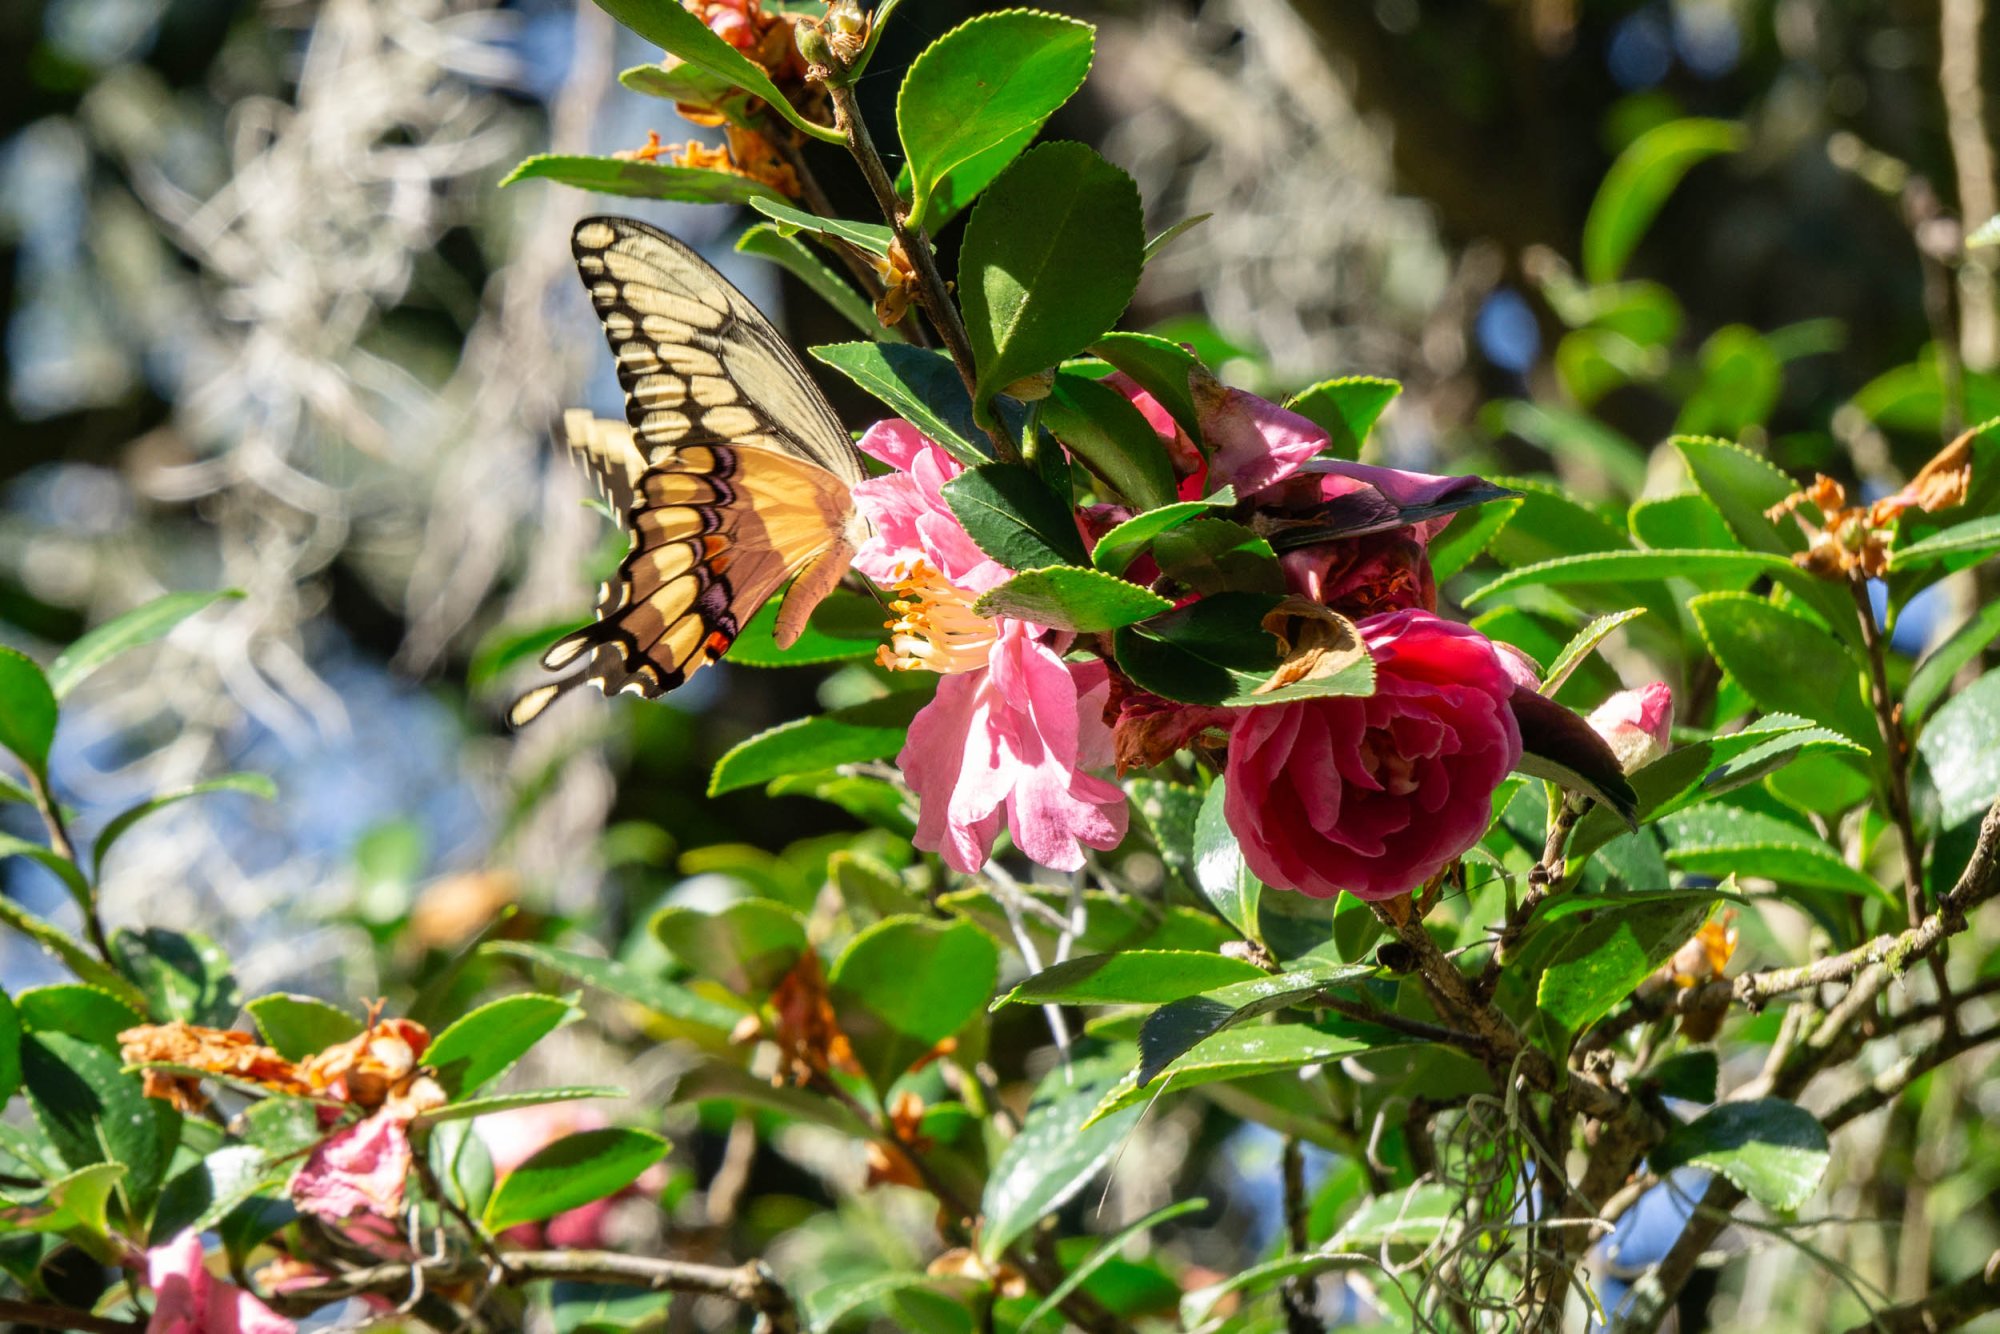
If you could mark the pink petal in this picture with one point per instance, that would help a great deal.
(1253, 443)
(358, 1170)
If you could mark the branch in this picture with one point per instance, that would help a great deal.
(1947, 1308)
(1963, 88)
(1546, 877)
(56, 1317)
(1890, 1083)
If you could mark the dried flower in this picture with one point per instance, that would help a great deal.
(216, 1051)
(808, 1032)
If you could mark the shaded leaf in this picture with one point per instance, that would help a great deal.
(1728, 840)
(1774, 1151)
(1346, 409)
(183, 975)
(27, 710)
(746, 946)
(1159, 366)
(1176, 1027)
(1064, 597)
(789, 253)
(665, 998)
(1102, 429)
(873, 237)
(484, 1044)
(1220, 872)
(298, 1026)
(1639, 183)
(871, 730)
(684, 34)
(907, 983)
(641, 180)
(923, 388)
(1958, 746)
(1015, 518)
(571, 1172)
(1130, 977)
(1063, 1143)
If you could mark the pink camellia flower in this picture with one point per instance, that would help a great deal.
(1374, 795)
(359, 1169)
(186, 1300)
(1637, 724)
(1013, 726)
(514, 1136)
(1252, 442)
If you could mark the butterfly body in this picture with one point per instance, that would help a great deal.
(731, 474)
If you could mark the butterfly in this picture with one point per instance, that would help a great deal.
(731, 473)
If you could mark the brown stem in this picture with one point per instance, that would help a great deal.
(815, 198)
(931, 290)
(1885, 1088)
(57, 1317)
(1545, 878)
(1964, 92)
(1948, 1307)
(1300, 1293)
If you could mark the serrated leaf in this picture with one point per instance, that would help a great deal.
(184, 975)
(641, 180)
(872, 730)
(27, 710)
(1218, 556)
(669, 999)
(1064, 597)
(1130, 977)
(1597, 963)
(1049, 261)
(789, 253)
(873, 237)
(982, 88)
(484, 1044)
(299, 1026)
(1173, 234)
(92, 1111)
(1774, 1151)
(1622, 567)
(1159, 366)
(573, 1171)
(1013, 516)
(907, 983)
(1468, 535)
(1728, 840)
(921, 385)
(1101, 428)
(200, 1195)
(683, 34)
(746, 946)
(1786, 663)
(76, 1008)
(503, 1102)
(1062, 1144)
(1958, 746)
(1688, 519)
(1239, 1053)
(141, 625)
(1740, 380)
(1971, 541)
(1582, 645)
(1176, 1027)
(1639, 183)
(1346, 409)
(256, 785)
(59, 944)
(1119, 547)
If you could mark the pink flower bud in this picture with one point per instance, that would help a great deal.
(1637, 724)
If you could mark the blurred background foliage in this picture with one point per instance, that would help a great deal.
(270, 325)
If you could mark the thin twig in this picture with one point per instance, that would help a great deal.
(1948, 1307)
(57, 1317)
(1546, 877)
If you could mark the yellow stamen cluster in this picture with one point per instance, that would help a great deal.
(936, 629)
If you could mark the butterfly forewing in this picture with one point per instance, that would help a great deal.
(732, 478)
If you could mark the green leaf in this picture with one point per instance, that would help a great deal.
(478, 1048)
(1176, 1027)
(1559, 745)
(573, 1171)
(1728, 840)
(669, 999)
(1742, 487)
(1159, 366)
(873, 801)
(199, 1196)
(1574, 437)
(1198, 1307)
(1169, 811)
(985, 86)
(1102, 1253)
(10, 1049)
(256, 785)
(766, 241)
(1774, 1151)
(27, 711)
(93, 1112)
(1130, 977)
(1173, 234)
(746, 946)
(1582, 645)
(183, 975)
(1958, 746)
(1621, 567)
(77, 1206)
(1600, 960)
(873, 237)
(1118, 548)
(1220, 872)
(1690, 1076)
(1740, 380)
(1934, 675)
(1786, 663)
(63, 868)
(1975, 538)
(1548, 523)
(297, 1026)
(61, 945)
(1062, 1144)
(1216, 651)
(1639, 183)
(871, 730)
(1015, 518)
(502, 1102)
(1468, 535)
(13, 791)
(683, 34)
(846, 627)
(1050, 259)
(907, 983)
(691, 84)
(1415, 1216)
(141, 625)
(1346, 409)
(1239, 1053)
(641, 180)
(1101, 427)
(923, 388)
(1217, 556)
(1064, 597)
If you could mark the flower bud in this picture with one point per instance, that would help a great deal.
(1637, 724)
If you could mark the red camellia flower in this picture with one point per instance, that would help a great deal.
(1374, 795)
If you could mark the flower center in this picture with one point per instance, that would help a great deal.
(936, 629)
(1393, 770)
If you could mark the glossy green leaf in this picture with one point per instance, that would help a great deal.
(1624, 567)
(504, 1102)
(92, 1111)
(1468, 535)
(984, 87)
(871, 730)
(298, 1026)
(184, 975)
(746, 946)
(1687, 519)
(1238, 1053)
(873, 237)
(1776, 1152)
(1216, 651)
(1728, 840)
(846, 627)
(1786, 662)
(1220, 872)
(1119, 547)
(1173, 234)
(1548, 523)
(572, 1172)
(1973, 540)
(766, 241)
(641, 180)
(1582, 645)
(59, 944)
(1961, 748)
(62, 867)
(1600, 960)
(1130, 977)
(1049, 261)
(256, 785)
(1216, 556)
(665, 998)
(1015, 518)
(1159, 366)
(1346, 409)
(1100, 427)
(10, 1048)
(1935, 673)
(905, 984)
(1638, 184)
(77, 1206)
(921, 386)
(141, 625)
(1063, 1143)
(484, 1044)
(1102, 1253)
(1176, 1027)
(683, 34)
(27, 710)
(1064, 597)
(682, 82)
